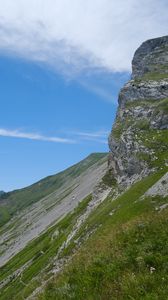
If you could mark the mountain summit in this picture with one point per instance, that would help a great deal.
(138, 141)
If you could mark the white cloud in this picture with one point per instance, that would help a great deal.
(74, 36)
(99, 90)
(33, 136)
(92, 136)
(72, 137)
(95, 134)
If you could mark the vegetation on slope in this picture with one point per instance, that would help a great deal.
(126, 256)
(123, 259)
(37, 258)
(119, 255)
(12, 202)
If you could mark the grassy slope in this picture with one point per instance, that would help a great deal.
(40, 254)
(113, 264)
(17, 200)
(116, 262)
(127, 257)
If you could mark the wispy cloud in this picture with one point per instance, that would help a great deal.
(33, 136)
(94, 136)
(99, 90)
(72, 136)
(59, 33)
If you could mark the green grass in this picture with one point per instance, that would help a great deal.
(154, 76)
(147, 103)
(139, 124)
(116, 262)
(117, 129)
(120, 126)
(41, 251)
(162, 106)
(156, 71)
(156, 140)
(109, 179)
(4, 215)
(143, 124)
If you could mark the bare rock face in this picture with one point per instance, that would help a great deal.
(151, 57)
(144, 90)
(139, 138)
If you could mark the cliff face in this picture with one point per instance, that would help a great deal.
(139, 137)
(74, 251)
(151, 58)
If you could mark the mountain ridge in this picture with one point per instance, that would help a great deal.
(43, 187)
(57, 196)
(113, 245)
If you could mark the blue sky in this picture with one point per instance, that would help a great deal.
(60, 74)
(38, 102)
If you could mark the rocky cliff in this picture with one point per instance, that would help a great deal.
(113, 245)
(139, 137)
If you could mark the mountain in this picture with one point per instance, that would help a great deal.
(114, 243)
(138, 141)
(31, 210)
(14, 202)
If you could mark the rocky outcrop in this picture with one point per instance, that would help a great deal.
(151, 57)
(144, 90)
(159, 188)
(139, 136)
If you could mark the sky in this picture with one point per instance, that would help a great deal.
(62, 64)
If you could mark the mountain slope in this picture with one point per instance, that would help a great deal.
(126, 257)
(114, 255)
(114, 245)
(15, 201)
(57, 195)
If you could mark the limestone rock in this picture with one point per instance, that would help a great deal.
(142, 116)
(151, 56)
